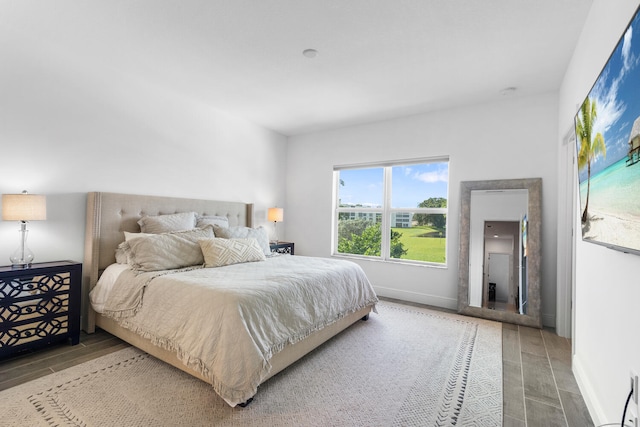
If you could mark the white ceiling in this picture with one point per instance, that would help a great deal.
(378, 59)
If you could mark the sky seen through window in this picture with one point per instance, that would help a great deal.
(411, 185)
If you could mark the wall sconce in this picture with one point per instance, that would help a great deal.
(23, 207)
(276, 215)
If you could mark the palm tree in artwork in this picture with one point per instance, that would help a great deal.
(590, 148)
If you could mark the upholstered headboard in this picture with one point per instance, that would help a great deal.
(109, 215)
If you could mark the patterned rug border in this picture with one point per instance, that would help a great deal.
(438, 313)
(37, 399)
(463, 358)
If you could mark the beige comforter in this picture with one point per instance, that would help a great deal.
(228, 322)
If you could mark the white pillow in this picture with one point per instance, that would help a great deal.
(221, 252)
(220, 221)
(260, 234)
(168, 250)
(121, 253)
(130, 236)
(123, 248)
(168, 223)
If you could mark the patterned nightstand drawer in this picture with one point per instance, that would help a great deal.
(282, 248)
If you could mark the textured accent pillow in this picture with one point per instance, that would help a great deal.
(167, 223)
(220, 221)
(239, 232)
(221, 252)
(167, 251)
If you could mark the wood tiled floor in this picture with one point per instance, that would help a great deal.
(30, 365)
(538, 386)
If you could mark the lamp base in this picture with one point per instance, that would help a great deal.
(275, 232)
(20, 266)
(21, 263)
(22, 257)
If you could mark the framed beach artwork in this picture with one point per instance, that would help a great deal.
(608, 149)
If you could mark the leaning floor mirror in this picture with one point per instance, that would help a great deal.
(499, 260)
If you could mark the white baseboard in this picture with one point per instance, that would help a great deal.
(437, 301)
(595, 410)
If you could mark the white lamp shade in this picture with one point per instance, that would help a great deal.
(275, 214)
(24, 207)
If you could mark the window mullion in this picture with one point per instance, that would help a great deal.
(385, 229)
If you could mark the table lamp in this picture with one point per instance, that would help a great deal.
(23, 207)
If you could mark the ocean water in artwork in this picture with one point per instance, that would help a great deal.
(614, 191)
(614, 207)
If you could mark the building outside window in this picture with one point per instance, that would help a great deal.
(392, 211)
(401, 219)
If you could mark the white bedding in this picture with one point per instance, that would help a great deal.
(228, 322)
(100, 293)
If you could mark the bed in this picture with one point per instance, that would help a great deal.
(265, 343)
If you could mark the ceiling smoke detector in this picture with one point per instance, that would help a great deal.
(310, 53)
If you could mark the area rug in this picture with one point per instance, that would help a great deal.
(405, 366)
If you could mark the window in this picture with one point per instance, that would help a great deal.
(407, 200)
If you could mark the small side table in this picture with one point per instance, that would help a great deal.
(39, 305)
(282, 247)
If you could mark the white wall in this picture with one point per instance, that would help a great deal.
(514, 138)
(67, 128)
(607, 289)
(503, 248)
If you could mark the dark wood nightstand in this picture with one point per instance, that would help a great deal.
(282, 247)
(39, 305)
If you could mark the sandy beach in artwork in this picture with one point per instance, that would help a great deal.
(612, 229)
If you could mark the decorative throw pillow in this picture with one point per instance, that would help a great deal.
(167, 251)
(260, 234)
(220, 221)
(167, 223)
(221, 252)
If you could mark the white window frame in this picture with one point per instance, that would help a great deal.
(386, 210)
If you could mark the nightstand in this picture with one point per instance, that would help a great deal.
(39, 305)
(282, 247)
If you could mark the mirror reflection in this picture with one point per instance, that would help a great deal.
(497, 277)
(503, 282)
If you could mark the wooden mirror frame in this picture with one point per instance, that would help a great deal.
(534, 217)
